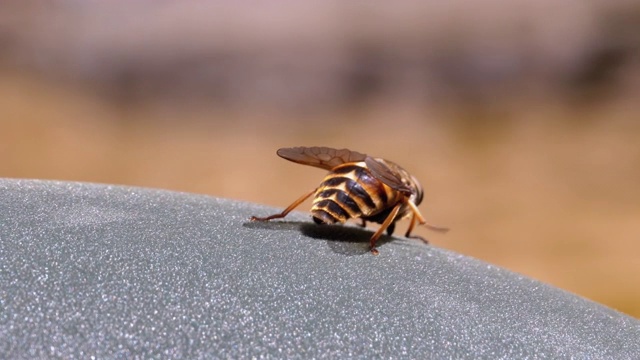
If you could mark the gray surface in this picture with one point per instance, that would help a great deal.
(114, 271)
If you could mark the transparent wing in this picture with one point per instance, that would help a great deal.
(384, 173)
(322, 157)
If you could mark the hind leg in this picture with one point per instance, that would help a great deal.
(286, 211)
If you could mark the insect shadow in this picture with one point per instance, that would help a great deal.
(344, 240)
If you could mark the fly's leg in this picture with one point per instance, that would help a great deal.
(286, 211)
(388, 221)
(421, 220)
(408, 233)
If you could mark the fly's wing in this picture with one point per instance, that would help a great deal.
(384, 173)
(322, 157)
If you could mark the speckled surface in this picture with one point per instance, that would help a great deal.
(96, 270)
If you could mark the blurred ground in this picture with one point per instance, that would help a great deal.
(527, 144)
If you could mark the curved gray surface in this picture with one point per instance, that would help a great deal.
(108, 271)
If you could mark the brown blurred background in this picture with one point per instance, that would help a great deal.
(521, 118)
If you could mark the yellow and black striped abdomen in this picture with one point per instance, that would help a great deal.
(350, 191)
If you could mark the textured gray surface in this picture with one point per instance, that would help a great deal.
(120, 272)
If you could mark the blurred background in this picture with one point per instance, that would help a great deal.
(520, 118)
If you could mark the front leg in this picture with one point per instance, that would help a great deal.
(408, 233)
(416, 214)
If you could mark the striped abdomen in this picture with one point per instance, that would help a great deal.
(350, 191)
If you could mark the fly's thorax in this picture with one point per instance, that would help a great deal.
(418, 192)
(407, 179)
